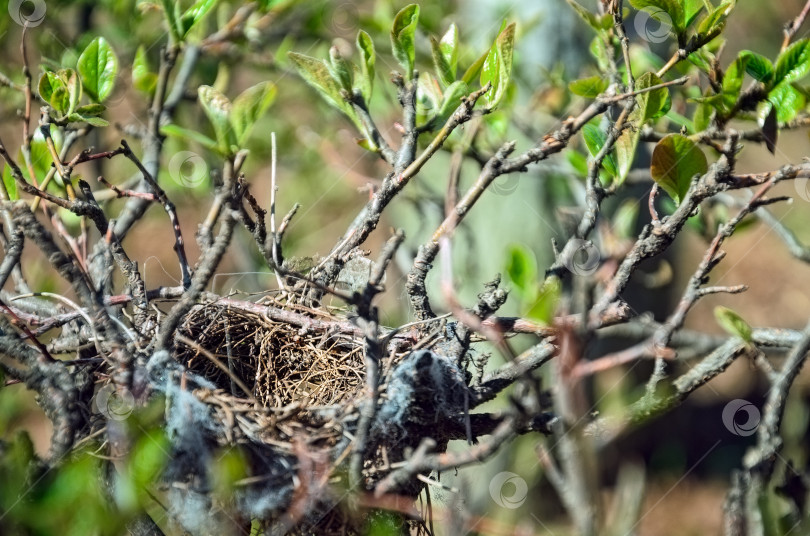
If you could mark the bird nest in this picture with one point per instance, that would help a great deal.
(278, 363)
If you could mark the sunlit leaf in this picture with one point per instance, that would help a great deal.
(143, 79)
(403, 35)
(98, 66)
(675, 161)
(590, 87)
(732, 323)
(368, 59)
(248, 107)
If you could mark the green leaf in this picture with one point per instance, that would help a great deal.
(73, 83)
(691, 9)
(218, 109)
(195, 14)
(49, 82)
(340, 69)
(652, 104)
(703, 116)
(715, 21)
(176, 131)
(590, 87)
(595, 139)
(143, 79)
(98, 66)
(758, 66)
(649, 105)
(10, 184)
(93, 120)
(664, 11)
(497, 68)
(787, 100)
(451, 100)
(249, 107)
(91, 109)
(794, 63)
(545, 303)
(624, 221)
(403, 37)
(448, 47)
(521, 268)
(732, 323)
(585, 14)
(171, 10)
(675, 160)
(316, 74)
(367, 64)
(472, 71)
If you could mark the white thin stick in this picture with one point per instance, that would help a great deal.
(273, 187)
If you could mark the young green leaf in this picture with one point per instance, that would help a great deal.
(448, 53)
(98, 66)
(545, 303)
(143, 79)
(732, 323)
(691, 9)
(715, 21)
(316, 74)
(403, 35)
(451, 99)
(76, 117)
(758, 66)
(787, 100)
(675, 161)
(590, 87)
(521, 268)
(171, 10)
(195, 14)
(794, 63)
(497, 68)
(595, 138)
(664, 11)
(650, 105)
(73, 83)
(472, 71)
(10, 184)
(340, 69)
(585, 14)
(218, 109)
(49, 82)
(367, 64)
(91, 109)
(249, 107)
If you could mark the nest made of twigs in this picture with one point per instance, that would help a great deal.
(279, 363)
